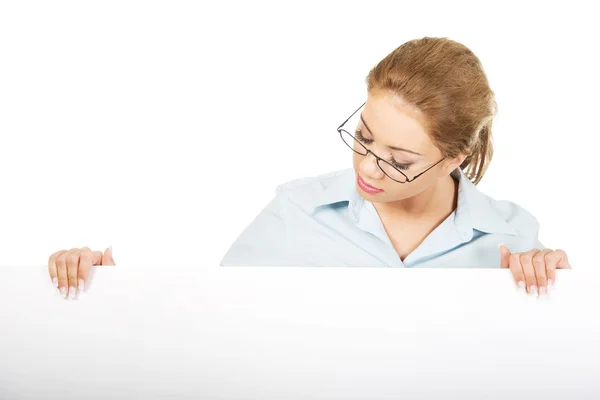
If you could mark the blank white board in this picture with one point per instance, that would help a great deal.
(296, 333)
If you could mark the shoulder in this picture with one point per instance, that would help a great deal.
(493, 216)
(313, 191)
(516, 216)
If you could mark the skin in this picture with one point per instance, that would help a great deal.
(70, 269)
(421, 205)
(417, 207)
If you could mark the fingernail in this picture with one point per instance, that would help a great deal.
(521, 286)
(72, 290)
(500, 245)
(543, 290)
(63, 292)
(55, 282)
(533, 290)
(81, 285)
(550, 283)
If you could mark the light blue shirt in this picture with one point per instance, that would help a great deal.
(323, 221)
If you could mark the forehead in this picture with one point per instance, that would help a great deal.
(395, 123)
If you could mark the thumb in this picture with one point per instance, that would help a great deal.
(107, 258)
(504, 256)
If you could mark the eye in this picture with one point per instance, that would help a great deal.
(358, 134)
(398, 165)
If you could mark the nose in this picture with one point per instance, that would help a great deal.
(369, 167)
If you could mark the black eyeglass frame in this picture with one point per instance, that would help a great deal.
(341, 130)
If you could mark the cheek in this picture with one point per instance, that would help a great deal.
(397, 191)
(401, 191)
(356, 159)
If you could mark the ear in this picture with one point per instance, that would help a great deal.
(453, 163)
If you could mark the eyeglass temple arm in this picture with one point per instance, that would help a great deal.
(416, 176)
(347, 119)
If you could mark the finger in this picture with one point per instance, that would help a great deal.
(72, 270)
(61, 269)
(504, 256)
(52, 270)
(107, 258)
(516, 269)
(556, 259)
(539, 266)
(87, 259)
(560, 259)
(530, 278)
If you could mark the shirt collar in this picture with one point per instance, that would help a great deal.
(474, 209)
(342, 188)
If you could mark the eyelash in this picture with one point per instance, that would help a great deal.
(396, 164)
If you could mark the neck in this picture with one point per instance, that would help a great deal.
(440, 199)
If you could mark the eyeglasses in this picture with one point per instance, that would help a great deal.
(388, 169)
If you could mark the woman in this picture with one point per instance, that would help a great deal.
(421, 143)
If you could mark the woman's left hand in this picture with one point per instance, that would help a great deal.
(534, 269)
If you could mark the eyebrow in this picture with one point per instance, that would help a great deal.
(390, 147)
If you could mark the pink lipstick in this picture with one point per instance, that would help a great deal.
(366, 187)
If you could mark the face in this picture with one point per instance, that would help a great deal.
(397, 133)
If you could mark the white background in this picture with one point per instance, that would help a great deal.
(162, 128)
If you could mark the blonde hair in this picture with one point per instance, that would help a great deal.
(446, 82)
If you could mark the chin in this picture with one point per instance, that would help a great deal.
(381, 198)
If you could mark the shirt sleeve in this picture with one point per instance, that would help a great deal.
(529, 227)
(536, 235)
(538, 244)
(264, 242)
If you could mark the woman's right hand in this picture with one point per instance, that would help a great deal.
(70, 269)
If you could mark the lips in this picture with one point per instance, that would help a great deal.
(366, 187)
